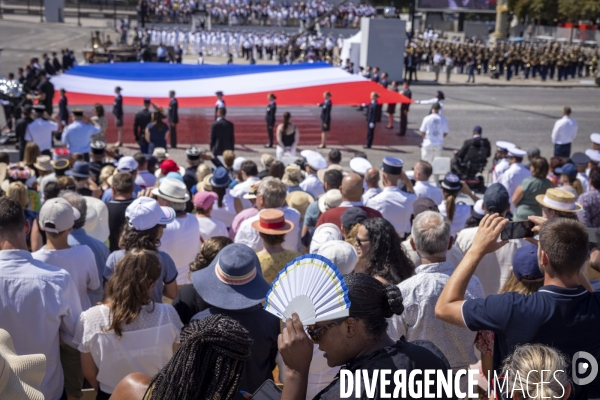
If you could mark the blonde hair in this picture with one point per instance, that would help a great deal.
(531, 361)
(512, 284)
(106, 172)
(202, 171)
(31, 153)
(450, 203)
(18, 191)
(228, 158)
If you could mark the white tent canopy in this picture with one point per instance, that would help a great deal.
(351, 50)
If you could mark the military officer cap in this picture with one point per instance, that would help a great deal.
(594, 155)
(392, 165)
(60, 164)
(78, 112)
(360, 165)
(219, 93)
(98, 147)
(39, 108)
(314, 159)
(451, 182)
(580, 159)
(515, 152)
(595, 138)
(193, 153)
(502, 145)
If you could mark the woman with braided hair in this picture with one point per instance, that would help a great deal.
(357, 342)
(208, 365)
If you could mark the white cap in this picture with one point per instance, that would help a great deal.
(57, 215)
(145, 213)
(360, 165)
(127, 164)
(595, 138)
(478, 207)
(342, 254)
(331, 199)
(594, 155)
(237, 163)
(314, 159)
(324, 233)
(514, 152)
(501, 144)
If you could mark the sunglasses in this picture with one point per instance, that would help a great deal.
(361, 241)
(315, 334)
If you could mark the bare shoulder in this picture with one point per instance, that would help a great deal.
(132, 387)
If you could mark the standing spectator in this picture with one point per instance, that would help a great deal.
(270, 118)
(422, 172)
(156, 132)
(434, 129)
(63, 110)
(40, 131)
(115, 327)
(590, 201)
(77, 136)
(563, 134)
(404, 107)
(21, 129)
(515, 174)
(173, 117)
(240, 298)
(45, 91)
(431, 239)
(372, 119)
(35, 280)
(181, 237)
(118, 114)
(140, 123)
(222, 134)
(122, 197)
(525, 194)
(146, 221)
(325, 118)
(209, 227)
(471, 65)
(100, 120)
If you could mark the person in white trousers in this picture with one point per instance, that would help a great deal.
(434, 129)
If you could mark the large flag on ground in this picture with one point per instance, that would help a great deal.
(195, 85)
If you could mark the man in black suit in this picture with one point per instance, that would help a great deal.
(140, 122)
(21, 129)
(404, 108)
(271, 111)
(173, 118)
(325, 118)
(372, 111)
(48, 65)
(45, 90)
(472, 156)
(63, 110)
(221, 134)
(56, 63)
(66, 60)
(117, 112)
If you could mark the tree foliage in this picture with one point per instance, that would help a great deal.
(560, 10)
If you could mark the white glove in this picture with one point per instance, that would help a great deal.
(371, 125)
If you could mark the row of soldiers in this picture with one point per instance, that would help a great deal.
(548, 60)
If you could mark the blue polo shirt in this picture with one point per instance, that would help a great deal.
(567, 319)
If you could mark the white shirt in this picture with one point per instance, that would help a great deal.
(80, 263)
(433, 101)
(511, 179)
(77, 136)
(243, 188)
(210, 227)
(145, 179)
(146, 345)
(313, 186)
(396, 206)
(462, 212)
(435, 127)
(564, 131)
(39, 302)
(494, 268)
(227, 212)
(370, 193)
(426, 189)
(181, 240)
(249, 236)
(499, 169)
(40, 132)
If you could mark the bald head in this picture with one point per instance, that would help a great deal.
(352, 187)
(372, 178)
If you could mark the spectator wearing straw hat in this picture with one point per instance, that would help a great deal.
(557, 203)
(233, 285)
(78, 134)
(209, 227)
(20, 375)
(272, 227)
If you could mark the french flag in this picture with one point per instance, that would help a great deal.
(195, 85)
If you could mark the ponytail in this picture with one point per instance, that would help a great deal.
(450, 204)
(577, 186)
(286, 121)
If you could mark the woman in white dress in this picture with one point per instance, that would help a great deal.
(129, 332)
(288, 137)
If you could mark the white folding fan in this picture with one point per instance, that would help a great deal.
(312, 287)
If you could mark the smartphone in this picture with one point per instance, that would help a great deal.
(517, 230)
(267, 391)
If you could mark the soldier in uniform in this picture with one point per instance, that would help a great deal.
(173, 116)
(193, 160)
(97, 152)
(325, 118)
(220, 103)
(270, 118)
(118, 114)
(372, 111)
(404, 108)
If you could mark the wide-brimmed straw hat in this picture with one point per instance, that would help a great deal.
(559, 200)
(272, 222)
(43, 163)
(20, 376)
(299, 201)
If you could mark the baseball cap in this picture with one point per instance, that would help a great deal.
(145, 213)
(237, 163)
(57, 215)
(525, 264)
(567, 169)
(477, 129)
(169, 165)
(127, 164)
(342, 254)
(423, 204)
(205, 199)
(353, 216)
(495, 199)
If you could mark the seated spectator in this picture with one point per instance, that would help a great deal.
(188, 302)
(210, 361)
(526, 276)
(292, 178)
(359, 341)
(590, 201)
(276, 170)
(266, 160)
(594, 262)
(557, 203)
(146, 222)
(105, 173)
(224, 208)
(472, 157)
(561, 313)
(122, 186)
(18, 192)
(246, 213)
(422, 172)
(494, 268)
(240, 298)
(351, 219)
(144, 334)
(209, 227)
(144, 178)
(35, 280)
(332, 180)
(249, 174)
(568, 179)
(380, 254)
(457, 213)
(431, 239)
(323, 234)
(272, 227)
(129, 165)
(524, 197)
(21, 375)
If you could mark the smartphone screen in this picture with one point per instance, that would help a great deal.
(517, 230)
(267, 391)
